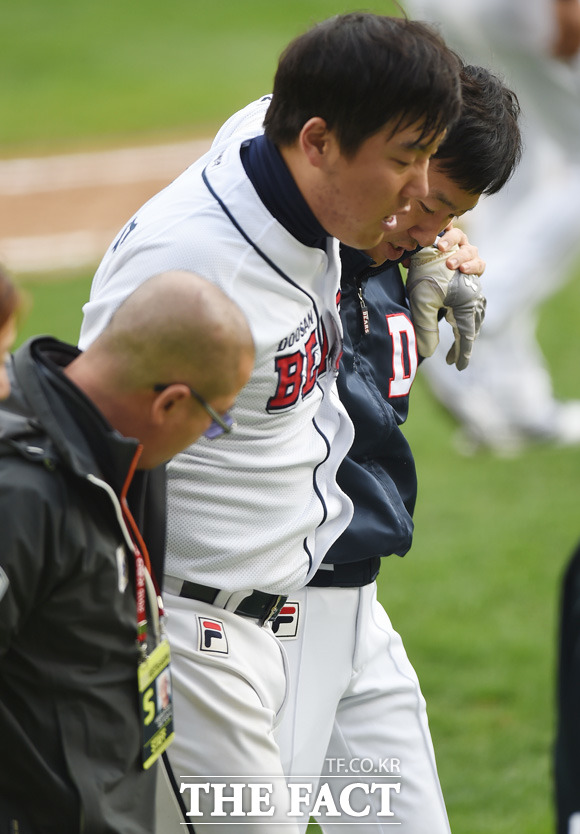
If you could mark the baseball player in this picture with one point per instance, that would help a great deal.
(506, 400)
(251, 516)
(355, 713)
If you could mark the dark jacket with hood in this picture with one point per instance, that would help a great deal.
(69, 714)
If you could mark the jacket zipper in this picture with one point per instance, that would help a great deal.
(363, 307)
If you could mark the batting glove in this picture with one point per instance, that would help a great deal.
(433, 287)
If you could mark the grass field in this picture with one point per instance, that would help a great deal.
(103, 73)
(476, 600)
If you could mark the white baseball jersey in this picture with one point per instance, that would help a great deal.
(260, 507)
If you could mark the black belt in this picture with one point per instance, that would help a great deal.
(347, 574)
(258, 605)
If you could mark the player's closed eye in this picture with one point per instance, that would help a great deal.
(402, 163)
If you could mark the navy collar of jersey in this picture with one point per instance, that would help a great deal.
(356, 261)
(276, 188)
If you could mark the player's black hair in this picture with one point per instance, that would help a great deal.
(484, 146)
(360, 71)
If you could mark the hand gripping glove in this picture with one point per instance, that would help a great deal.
(432, 287)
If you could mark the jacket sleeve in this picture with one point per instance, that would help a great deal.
(28, 532)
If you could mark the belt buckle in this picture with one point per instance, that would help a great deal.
(274, 609)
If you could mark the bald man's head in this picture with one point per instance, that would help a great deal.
(176, 327)
(175, 333)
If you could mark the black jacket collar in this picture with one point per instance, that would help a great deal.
(46, 405)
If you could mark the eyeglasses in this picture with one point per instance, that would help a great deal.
(221, 424)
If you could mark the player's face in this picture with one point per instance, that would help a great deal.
(428, 216)
(361, 194)
(7, 337)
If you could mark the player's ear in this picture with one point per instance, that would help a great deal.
(169, 402)
(314, 140)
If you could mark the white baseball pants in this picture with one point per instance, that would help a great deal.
(356, 715)
(229, 687)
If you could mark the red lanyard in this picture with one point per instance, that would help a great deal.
(142, 560)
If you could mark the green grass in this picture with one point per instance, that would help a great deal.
(92, 73)
(476, 601)
(54, 305)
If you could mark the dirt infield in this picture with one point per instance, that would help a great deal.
(61, 212)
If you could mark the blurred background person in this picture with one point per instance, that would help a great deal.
(529, 234)
(10, 302)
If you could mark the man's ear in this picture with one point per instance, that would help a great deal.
(167, 402)
(314, 140)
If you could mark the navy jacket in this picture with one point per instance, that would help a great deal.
(377, 370)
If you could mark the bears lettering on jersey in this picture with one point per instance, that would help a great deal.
(299, 370)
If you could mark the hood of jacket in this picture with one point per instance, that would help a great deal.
(48, 419)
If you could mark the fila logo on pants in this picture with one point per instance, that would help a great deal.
(285, 625)
(212, 636)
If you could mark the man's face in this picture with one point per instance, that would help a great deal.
(359, 195)
(198, 421)
(189, 422)
(190, 419)
(428, 216)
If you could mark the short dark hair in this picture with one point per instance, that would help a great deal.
(360, 71)
(484, 146)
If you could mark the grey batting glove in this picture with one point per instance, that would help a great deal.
(431, 287)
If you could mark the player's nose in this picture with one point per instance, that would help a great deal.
(417, 186)
(424, 233)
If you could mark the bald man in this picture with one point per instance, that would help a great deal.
(81, 637)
